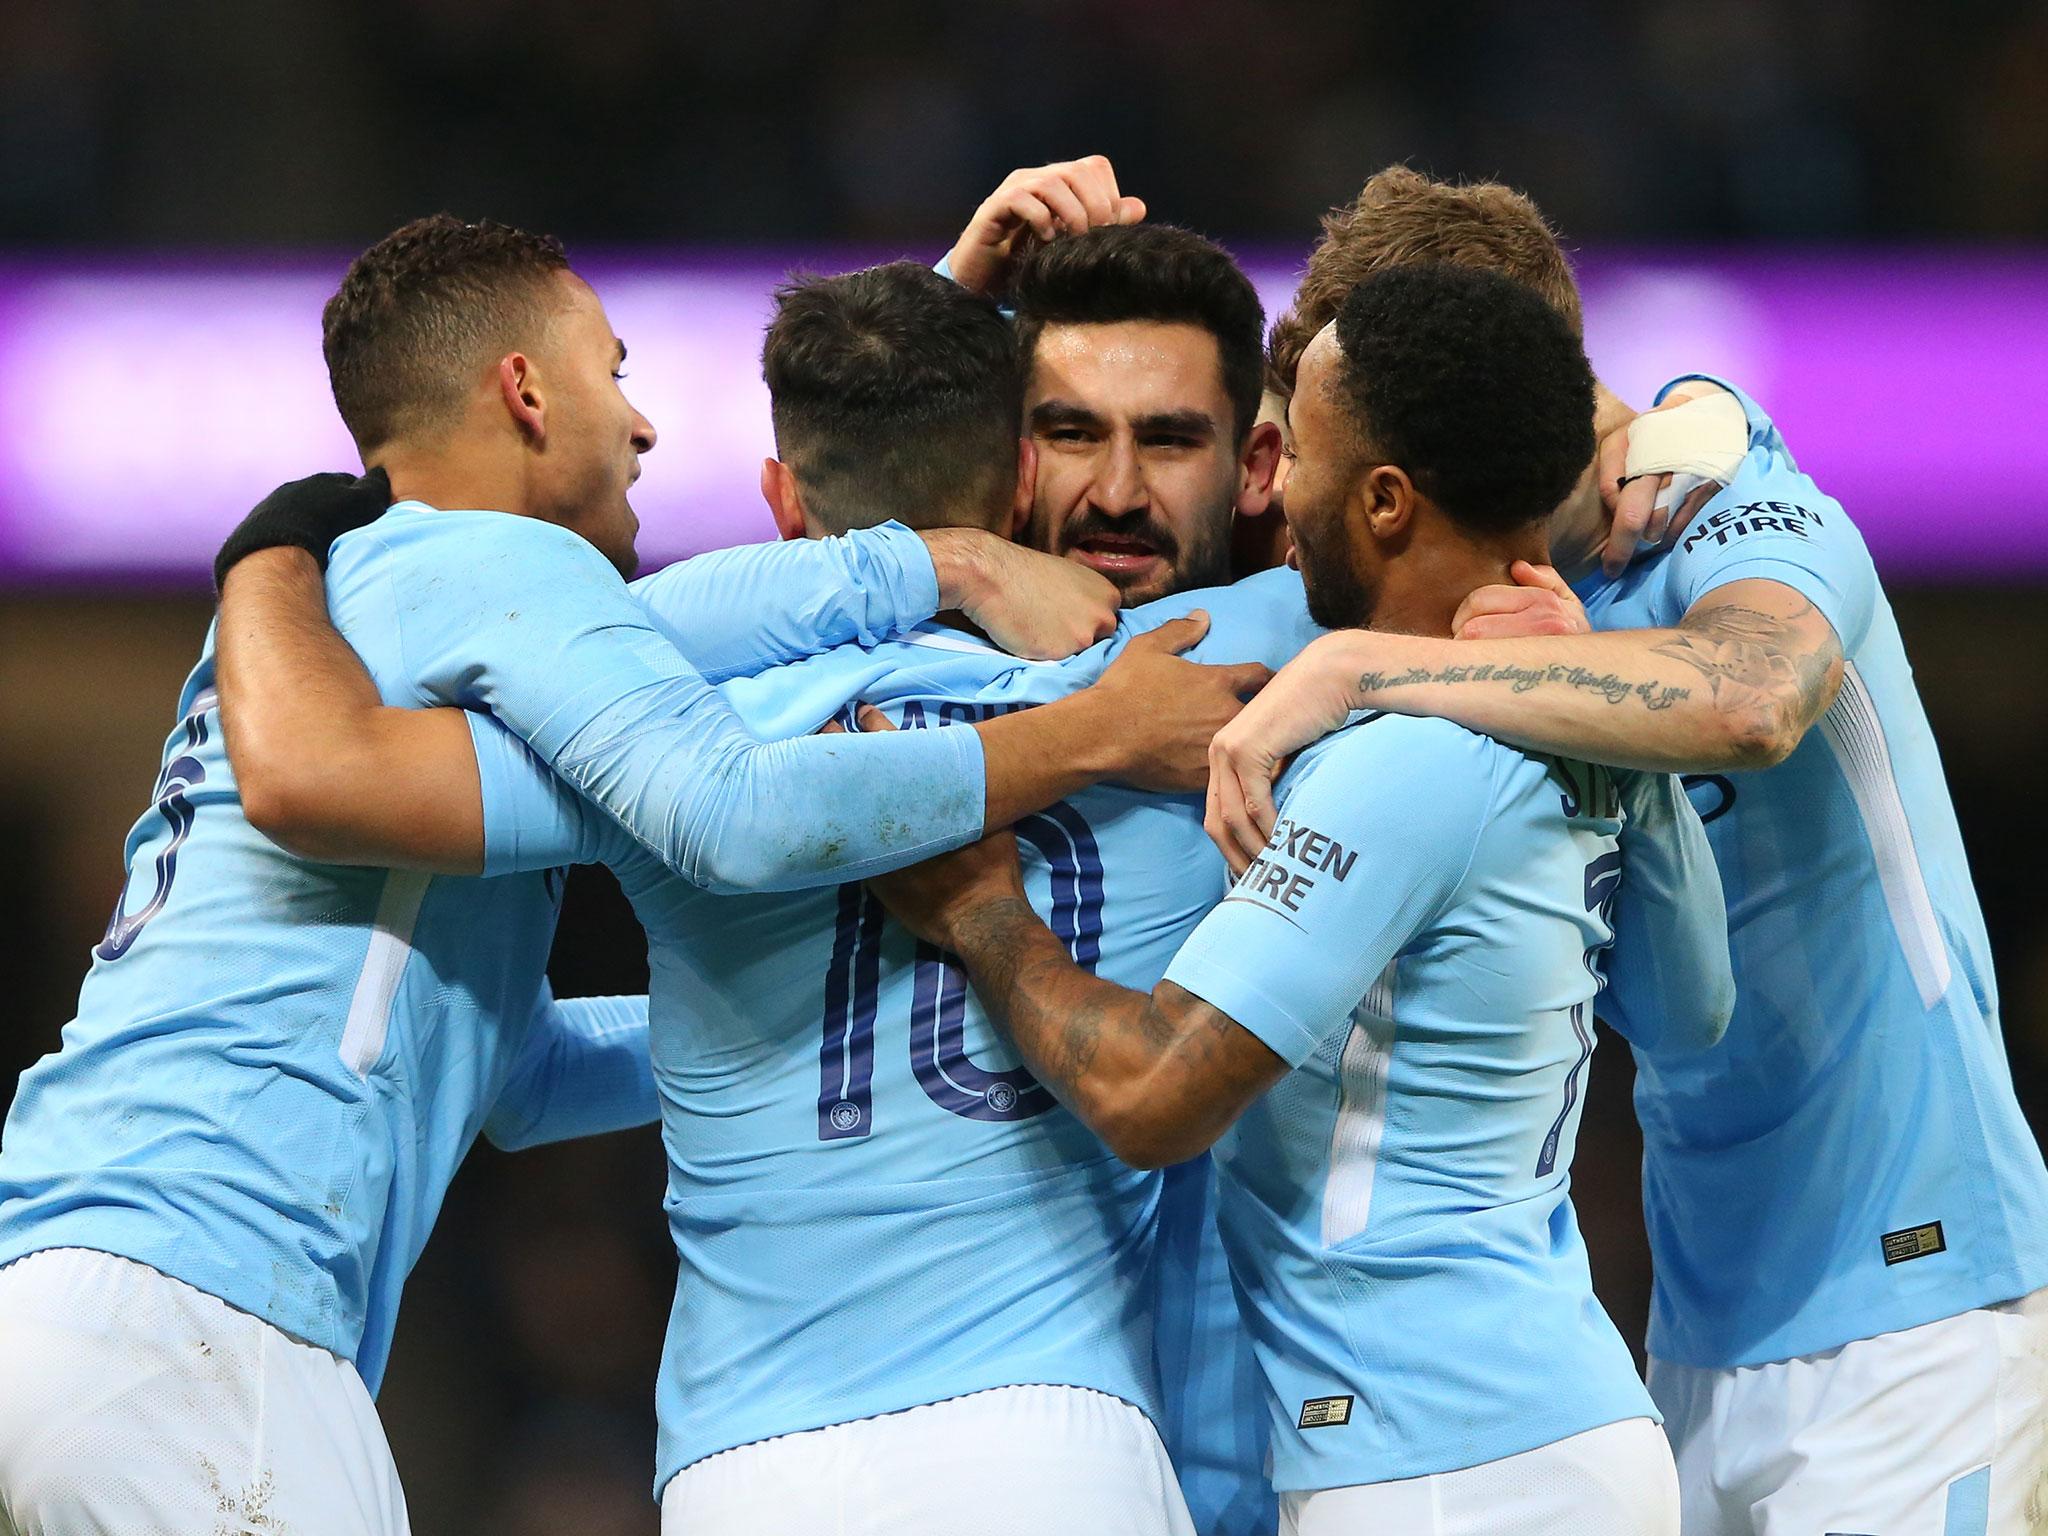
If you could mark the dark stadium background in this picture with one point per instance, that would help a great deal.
(520, 1398)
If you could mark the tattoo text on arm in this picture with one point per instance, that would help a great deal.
(1752, 663)
(1652, 693)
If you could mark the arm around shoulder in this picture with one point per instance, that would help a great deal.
(324, 768)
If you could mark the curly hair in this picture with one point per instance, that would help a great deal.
(1147, 272)
(1473, 385)
(422, 310)
(1402, 216)
(895, 394)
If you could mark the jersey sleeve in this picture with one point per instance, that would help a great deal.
(735, 612)
(1371, 842)
(1669, 984)
(532, 820)
(1773, 523)
(530, 622)
(585, 1070)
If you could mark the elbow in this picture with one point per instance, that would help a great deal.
(507, 1137)
(295, 810)
(1707, 1024)
(280, 806)
(747, 855)
(1145, 1135)
(1716, 1011)
(719, 846)
(1762, 737)
(739, 866)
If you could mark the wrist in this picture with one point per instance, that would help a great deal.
(963, 564)
(1097, 745)
(1346, 658)
(971, 264)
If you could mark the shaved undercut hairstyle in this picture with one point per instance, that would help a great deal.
(423, 311)
(1402, 217)
(1123, 272)
(895, 394)
(1472, 384)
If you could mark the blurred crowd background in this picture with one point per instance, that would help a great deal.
(203, 122)
(520, 1396)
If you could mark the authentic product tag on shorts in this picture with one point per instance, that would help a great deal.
(1321, 1412)
(1913, 1243)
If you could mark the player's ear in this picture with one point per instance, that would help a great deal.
(1027, 487)
(785, 500)
(1384, 501)
(1256, 468)
(519, 388)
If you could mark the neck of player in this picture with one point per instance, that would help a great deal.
(460, 475)
(1421, 591)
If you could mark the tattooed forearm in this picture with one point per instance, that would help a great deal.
(1157, 1076)
(1651, 693)
(1055, 1011)
(1768, 675)
(1774, 672)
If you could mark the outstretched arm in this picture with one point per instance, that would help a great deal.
(330, 772)
(734, 612)
(1736, 685)
(1157, 1077)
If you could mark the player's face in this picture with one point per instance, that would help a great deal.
(1138, 468)
(1341, 595)
(594, 436)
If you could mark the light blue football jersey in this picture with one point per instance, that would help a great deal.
(1851, 1159)
(1212, 1399)
(875, 1205)
(277, 1065)
(1422, 941)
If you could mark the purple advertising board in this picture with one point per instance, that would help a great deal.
(144, 406)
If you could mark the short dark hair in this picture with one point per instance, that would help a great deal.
(421, 310)
(895, 394)
(1155, 272)
(1402, 216)
(1472, 384)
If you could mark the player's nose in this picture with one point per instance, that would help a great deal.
(643, 434)
(1120, 488)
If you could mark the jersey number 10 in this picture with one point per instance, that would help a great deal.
(938, 1049)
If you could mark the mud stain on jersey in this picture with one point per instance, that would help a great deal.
(246, 1512)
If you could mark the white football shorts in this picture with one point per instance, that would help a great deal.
(1612, 1481)
(131, 1403)
(1011, 1461)
(1940, 1430)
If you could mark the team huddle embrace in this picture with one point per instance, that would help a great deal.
(1129, 881)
